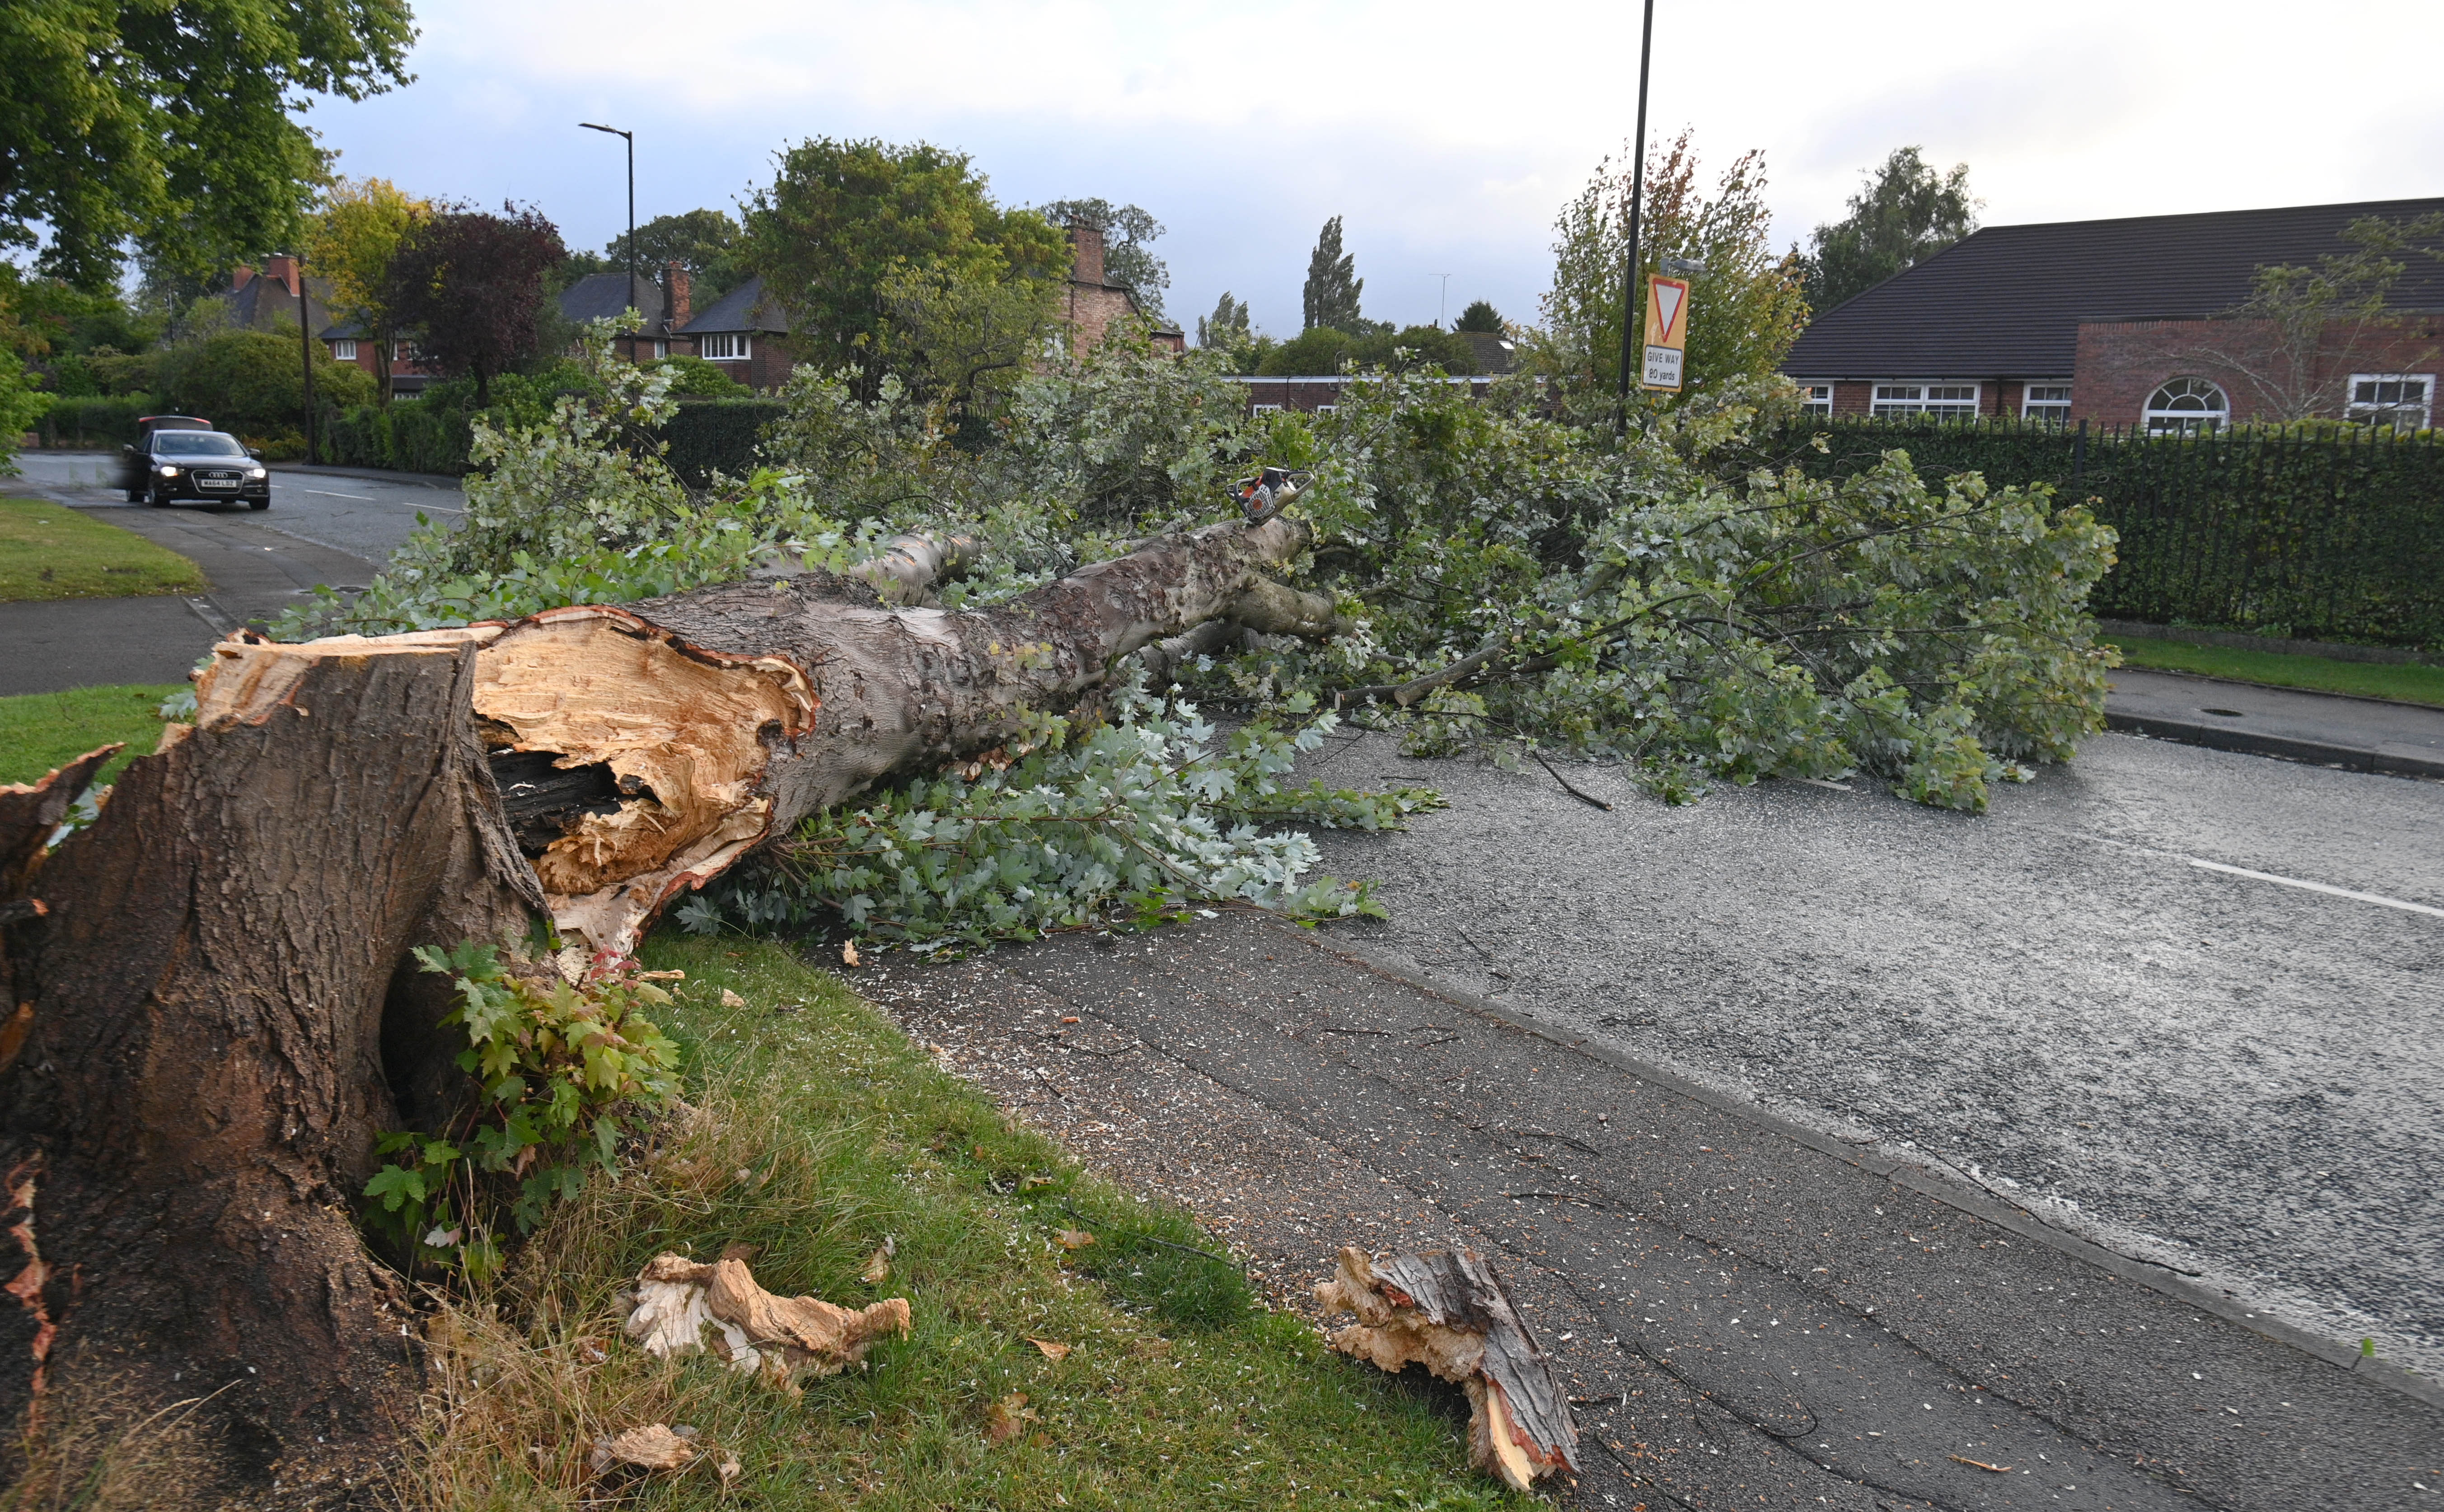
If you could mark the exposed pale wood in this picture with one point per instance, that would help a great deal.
(1448, 1312)
(678, 1299)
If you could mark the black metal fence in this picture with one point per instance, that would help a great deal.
(2331, 534)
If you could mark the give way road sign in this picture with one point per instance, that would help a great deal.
(1667, 332)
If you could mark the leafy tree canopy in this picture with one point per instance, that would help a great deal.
(1326, 349)
(1904, 214)
(469, 286)
(1226, 327)
(841, 217)
(1127, 258)
(171, 124)
(252, 383)
(1333, 286)
(351, 243)
(707, 243)
(1743, 310)
(1481, 317)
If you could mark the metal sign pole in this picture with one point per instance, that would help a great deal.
(1629, 310)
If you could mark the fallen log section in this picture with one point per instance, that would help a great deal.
(213, 1006)
(1448, 1312)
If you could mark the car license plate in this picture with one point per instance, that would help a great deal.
(217, 482)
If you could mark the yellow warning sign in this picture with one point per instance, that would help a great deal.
(1667, 332)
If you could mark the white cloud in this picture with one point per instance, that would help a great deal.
(1447, 135)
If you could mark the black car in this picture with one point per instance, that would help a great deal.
(181, 457)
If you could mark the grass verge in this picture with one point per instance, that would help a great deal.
(2407, 682)
(50, 552)
(819, 1133)
(39, 731)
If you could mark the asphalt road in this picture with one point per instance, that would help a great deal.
(362, 516)
(2082, 1000)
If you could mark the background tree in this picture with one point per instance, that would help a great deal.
(841, 217)
(705, 241)
(965, 338)
(1480, 316)
(1744, 311)
(1904, 214)
(1127, 258)
(1330, 297)
(351, 243)
(1226, 328)
(1327, 349)
(170, 126)
(467, 284)
(250, 384)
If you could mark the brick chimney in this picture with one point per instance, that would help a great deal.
(282, 267)
(241, 278)
(1086, 251)
(679, 295)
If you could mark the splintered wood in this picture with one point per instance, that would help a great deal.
(1446, 1311)
(679, 1299)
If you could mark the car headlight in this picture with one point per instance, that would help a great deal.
(169, 471)
(256, 472)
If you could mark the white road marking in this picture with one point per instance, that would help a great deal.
(326, 494)
(2317, 887)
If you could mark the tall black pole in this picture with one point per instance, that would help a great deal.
(630, 138)
(1629, 306)
(305, 350)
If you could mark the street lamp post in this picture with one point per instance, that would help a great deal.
(631, 138)
(1629, 308)
(305, 350)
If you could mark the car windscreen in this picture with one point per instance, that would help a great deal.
(196, 444)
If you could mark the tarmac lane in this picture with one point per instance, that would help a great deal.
(1744, 1313)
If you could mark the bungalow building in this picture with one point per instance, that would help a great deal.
(2129, 321)
(746, 334)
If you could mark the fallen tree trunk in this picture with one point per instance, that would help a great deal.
(216, 1022)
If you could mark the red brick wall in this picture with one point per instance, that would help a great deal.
(2121, 363)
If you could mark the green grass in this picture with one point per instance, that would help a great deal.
(2369, 679)
(50, 552)
(39, 731)
(820, 1129)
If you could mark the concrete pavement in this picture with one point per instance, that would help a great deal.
(2360, 734)
(1745, 1313)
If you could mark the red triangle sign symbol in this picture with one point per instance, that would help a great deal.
(1667, 304)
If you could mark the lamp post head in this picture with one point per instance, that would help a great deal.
(613, 130)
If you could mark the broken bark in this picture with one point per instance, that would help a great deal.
(678, 1300)
(217, 1006)
(1448, 1312)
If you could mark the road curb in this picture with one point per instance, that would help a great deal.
(2248, 743)
(1906, 1168)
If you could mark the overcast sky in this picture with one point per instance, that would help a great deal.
(1447, 135)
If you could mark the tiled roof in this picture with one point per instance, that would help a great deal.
(2006, 301)
(603, 296)
(744, 308)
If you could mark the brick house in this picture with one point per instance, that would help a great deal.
(746, 334)
(2123, 322)
(1092, 303)
(664, 306)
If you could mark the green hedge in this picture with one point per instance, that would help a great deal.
(2331, 534)
(412, 435)
(717, 435)
(93, 424)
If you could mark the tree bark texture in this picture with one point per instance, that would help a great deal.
(214, 1001)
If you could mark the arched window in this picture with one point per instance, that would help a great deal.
(2186, 405)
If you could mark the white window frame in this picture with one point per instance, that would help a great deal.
(727, 346)
(2049, 408)
(343, 350)
(2184, 422)
(1885, 398)
(1816, 398)
(2368, 411)
(1325, 409)
(1263, 409)
(661, 349)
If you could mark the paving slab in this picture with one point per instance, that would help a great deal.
(1744, 1315)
